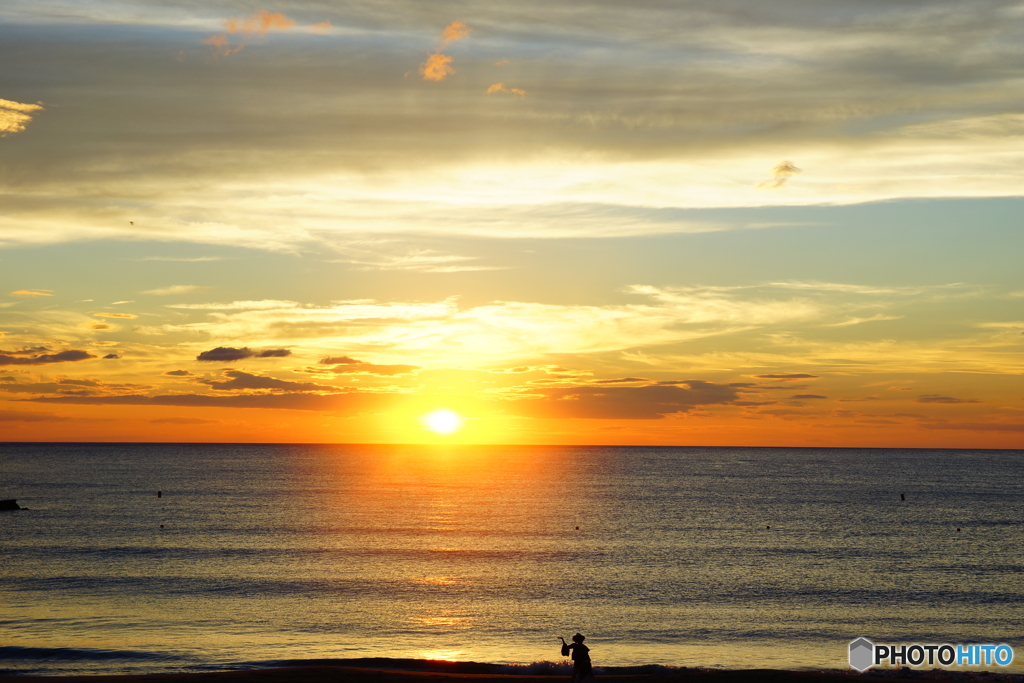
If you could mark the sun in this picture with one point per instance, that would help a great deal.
(442, 421)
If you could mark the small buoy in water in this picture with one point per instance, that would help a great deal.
(902, 497)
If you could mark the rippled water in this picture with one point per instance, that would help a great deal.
(262, 554)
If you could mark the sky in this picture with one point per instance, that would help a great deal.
(729, 223)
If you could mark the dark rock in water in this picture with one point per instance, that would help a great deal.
(11, 504)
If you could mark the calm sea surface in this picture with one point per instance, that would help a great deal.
(259, 555)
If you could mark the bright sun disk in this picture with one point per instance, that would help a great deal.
(442, 421)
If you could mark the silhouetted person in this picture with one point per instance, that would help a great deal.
(582, 670)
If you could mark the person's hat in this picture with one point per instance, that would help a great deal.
(579, 636)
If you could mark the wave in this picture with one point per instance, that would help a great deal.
(540, 668)
(10, 653)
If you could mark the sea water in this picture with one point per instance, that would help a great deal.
(264, 555)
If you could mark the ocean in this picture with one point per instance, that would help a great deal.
(273, 555)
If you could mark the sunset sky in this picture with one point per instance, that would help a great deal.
(772, 222)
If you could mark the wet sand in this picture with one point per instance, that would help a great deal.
(338, 674)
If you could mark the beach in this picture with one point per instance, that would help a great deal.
(337, 674)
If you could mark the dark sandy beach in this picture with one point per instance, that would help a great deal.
(337, 674)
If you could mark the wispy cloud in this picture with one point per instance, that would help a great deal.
(439, 66)
(454, 31)
(115, 315)
(344, 365)
(69, 356)
(257, 24)
(30, 416)
(14, 116)
(32, 292)
(227, 354)
(195, 259)
(501, 87)
(420, 260)
(175, 289)
(936, 398)
(238, 380)
(265, 304)
(780, 174)
(858, 321)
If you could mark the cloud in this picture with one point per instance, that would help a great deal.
(111, 356)
(226, 354)
(421, 260)
(27, 351)
(33, 292)
(69, 356)
(259, 23)
(349, 402)
(500, 87)
(437, 67)
(183, 421)
(175, 289)
(512, 330)
(265, 304)
(454, 31)
(195, 259)
(178, 373)
(788, 375)
(322, 27)
(858, 321)
(780, 174)
(807, 396)
(350, 366)
(244, 381)
(977, 426)
(69, 387)
(221, 45)
(622, 403)
(115, 315)
(935, 398)
(29, 415)
(14, 116)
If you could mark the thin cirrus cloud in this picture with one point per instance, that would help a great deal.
(444, 331)
(15, 115)
(228, 354)
(502, 88)
(259, 23)
(238, 380)
(782, 172)
(344, 365)
(630, 403)
(125, 316)
(175, 289)
(23, 358)
(438, 66)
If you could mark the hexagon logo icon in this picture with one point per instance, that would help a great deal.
(862, 654)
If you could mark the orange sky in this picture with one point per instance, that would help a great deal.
(615, 227)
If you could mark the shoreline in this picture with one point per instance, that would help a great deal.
(346, 674)
(353, 674)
